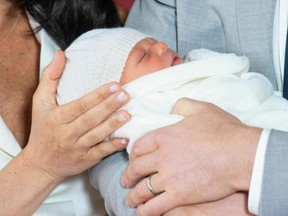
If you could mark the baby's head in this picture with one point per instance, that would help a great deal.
(105, 55)
(147, 56)
(121, 54)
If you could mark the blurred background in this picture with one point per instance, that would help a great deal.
(123, 7)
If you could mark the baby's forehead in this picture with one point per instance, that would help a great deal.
(147, 41)
(143, 44)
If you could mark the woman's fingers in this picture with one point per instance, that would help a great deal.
(99, 133)
(103, 149)
(96, 115)
(68, 139)
(47, 89)
(71, 111)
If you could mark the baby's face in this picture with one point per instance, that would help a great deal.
(148, 56)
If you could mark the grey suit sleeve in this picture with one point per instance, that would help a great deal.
(106, 178)
(274, 196)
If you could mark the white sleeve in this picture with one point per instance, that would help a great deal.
(257, 174)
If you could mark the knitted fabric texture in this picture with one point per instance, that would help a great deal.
(95, 58)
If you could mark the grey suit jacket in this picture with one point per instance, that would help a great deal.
(244, 27)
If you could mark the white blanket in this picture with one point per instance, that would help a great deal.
(222, 80)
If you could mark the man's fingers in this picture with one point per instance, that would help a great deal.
(180, 211)
(141, 193)
(157, 206)
(145, 145)
(187, 107)
(47, 89)
(139, 168)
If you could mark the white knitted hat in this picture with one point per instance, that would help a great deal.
(95, 58)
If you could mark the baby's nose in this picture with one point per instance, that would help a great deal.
(159, 48)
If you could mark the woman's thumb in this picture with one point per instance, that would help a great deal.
(47, 89)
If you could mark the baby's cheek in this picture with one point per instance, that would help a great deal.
(129, 75)
(123, 80)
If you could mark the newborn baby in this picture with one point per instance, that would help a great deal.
(128, 56)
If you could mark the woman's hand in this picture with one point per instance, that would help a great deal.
(235, 204)
(66, 140)
(205, 157)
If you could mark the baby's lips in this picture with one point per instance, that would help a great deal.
(176, 59)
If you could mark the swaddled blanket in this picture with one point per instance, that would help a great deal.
(222, 79)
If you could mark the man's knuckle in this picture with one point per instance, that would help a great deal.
(161, 160)
(160, 136)
(134, 169)
(136, 150)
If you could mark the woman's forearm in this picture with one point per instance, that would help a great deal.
(23, 188)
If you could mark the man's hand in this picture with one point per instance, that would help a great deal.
(235, 204)
(206, 157)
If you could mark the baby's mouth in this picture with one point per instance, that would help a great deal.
(176, 60)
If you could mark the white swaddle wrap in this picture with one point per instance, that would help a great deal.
(222, 79)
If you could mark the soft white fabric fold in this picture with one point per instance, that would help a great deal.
(222, 80)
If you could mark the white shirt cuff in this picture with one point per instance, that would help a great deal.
(257, 174)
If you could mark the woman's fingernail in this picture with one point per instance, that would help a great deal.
(124, 141)
(121, 117)
(113, 88)
(122, 97)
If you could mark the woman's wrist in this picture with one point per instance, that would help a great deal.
(28, 182)
(32, 161)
